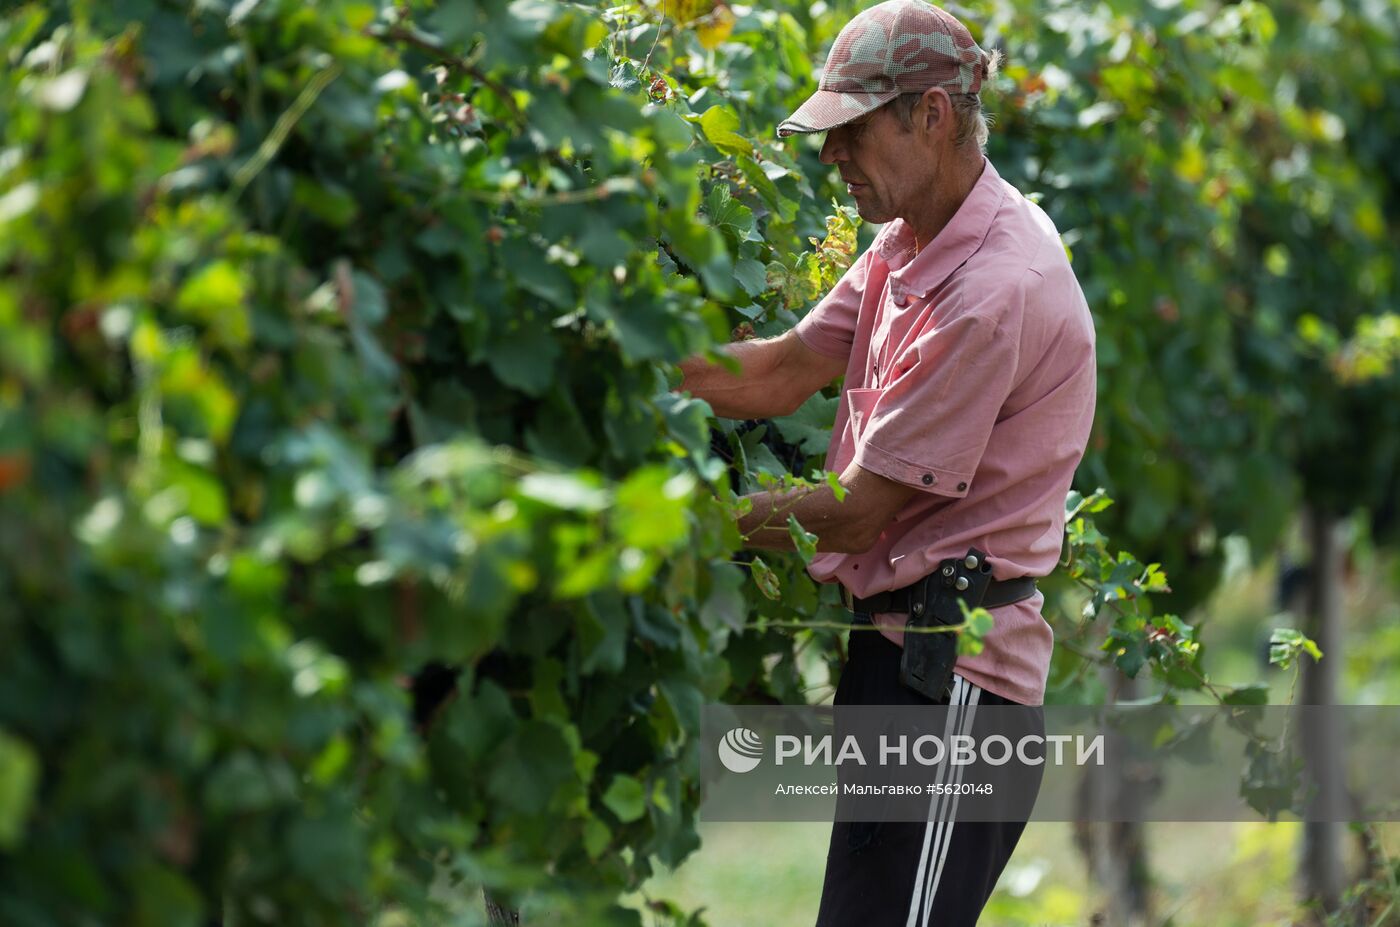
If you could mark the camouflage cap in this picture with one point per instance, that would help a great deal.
(899, 46)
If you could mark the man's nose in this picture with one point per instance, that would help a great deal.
(834, 147)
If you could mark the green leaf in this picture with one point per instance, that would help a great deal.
(766, 579)
(720, 126)
(603, 634)
(809, 428)
(524, 359)
(19, 777)
(725, 605)
(655, 624)
(164, 898)
(642, 332)
(245, 782)
(703, 250)
(527, 771)
(472, 728)
(1271, 780)
(731, 217)
(596, 837)
(529, 18)
(979, 623)
(215, 296)
(328, 202)
(659, 798)
(624, 77)
(455, 23)
(1256, 693)
(626, 798)
(1098, 502)
(758, 457)
(650, 508)
(1130, 656)
(758, 177)
(551, 283)
(753, 277)
(1287, 644)
(326, 847)
(202, 494)
(804, 542)
(370, 306)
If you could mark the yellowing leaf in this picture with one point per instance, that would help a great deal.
(766, 579)
(1191, 166)
(715, 28)
(685, 11)
(1369, 220)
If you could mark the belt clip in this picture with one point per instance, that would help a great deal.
(969, 578)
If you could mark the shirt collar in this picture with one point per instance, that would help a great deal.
(922, 273)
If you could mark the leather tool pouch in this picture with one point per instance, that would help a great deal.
(927, 663)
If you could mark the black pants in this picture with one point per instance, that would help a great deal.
(933, 873)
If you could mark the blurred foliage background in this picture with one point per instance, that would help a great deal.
(354, 550)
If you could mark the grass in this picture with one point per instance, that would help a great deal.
(1208, 875)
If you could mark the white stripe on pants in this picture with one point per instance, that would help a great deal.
(938, 831)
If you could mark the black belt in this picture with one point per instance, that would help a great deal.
(939, 600)
(999, 593)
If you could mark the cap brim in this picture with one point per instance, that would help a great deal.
(827, 109)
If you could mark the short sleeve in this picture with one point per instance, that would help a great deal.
(830, 328)
(929, 427)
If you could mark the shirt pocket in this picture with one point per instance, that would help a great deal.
(861, 403)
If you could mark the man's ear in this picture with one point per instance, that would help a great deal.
(935, 111)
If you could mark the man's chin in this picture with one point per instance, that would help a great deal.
(872, 212)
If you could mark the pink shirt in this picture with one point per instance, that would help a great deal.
(970, 376)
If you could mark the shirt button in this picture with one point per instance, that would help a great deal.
(961, 487)
(929, 479)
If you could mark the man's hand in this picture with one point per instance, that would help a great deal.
(849, 527)
(776, 375)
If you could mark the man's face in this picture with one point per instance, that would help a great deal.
(886, 167)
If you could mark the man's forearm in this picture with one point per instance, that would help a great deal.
(837, 525)
(755, 391)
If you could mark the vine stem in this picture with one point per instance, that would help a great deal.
(282, 129)
(1292, 690)
(646, 63)
(779, 510)
(1206, 684)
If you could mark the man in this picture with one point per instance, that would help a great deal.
(968, 355)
